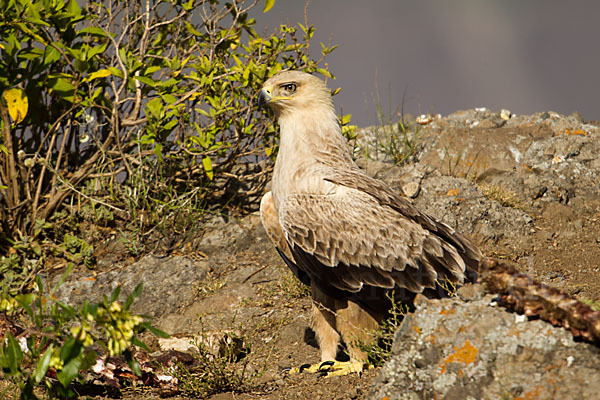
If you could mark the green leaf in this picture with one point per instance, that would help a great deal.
(268, 5)
(73, 8)
(155, 107)
(71, 369)
(191, 29)
(346, 119)
(62, 87)
(116, 72)
(207, 163)
(133, 363)
(168, 98)
(155, 331)
(25, 301)
(101, 73)
(133, 295)
(146, 80)
(11, 354)
(115, 294)
(70, 350)
(324, 72)
(137, 342)
(51, 55)
(158, 151)
(42, 365)
(92, 30)
(96, 50)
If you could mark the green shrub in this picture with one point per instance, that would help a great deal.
(139, 115)
(64, 339)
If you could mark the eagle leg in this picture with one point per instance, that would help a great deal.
(331, 368)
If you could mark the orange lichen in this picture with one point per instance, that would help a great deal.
(514, 331)
(417, 329)
(465, 354)
(576, 132)
(527, 167)
(430, 339)
(530, 395)
(452, 192)
(448, 312)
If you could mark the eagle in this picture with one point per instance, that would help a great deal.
(357, 243)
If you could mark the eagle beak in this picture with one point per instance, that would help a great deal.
(264, 96)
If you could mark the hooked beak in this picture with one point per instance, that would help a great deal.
(264, 96)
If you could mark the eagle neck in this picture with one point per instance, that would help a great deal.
(310, 144)
(311, 133)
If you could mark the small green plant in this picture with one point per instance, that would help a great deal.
(59, 342)
(210, 285)
(291, 286)
(594, 305)
(394, 138)
(221, 364)
(504, 196)
(214, 373)
(449, 287)
(78, 250)
(379, 348)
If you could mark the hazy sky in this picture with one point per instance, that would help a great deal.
(524, 55)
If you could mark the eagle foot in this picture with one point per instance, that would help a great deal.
(331, 368)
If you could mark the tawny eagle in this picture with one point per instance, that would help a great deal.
(347, 235)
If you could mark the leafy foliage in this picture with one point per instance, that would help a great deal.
(141, 112)
(59, 342)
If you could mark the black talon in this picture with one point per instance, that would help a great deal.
(303, 367)
(322, 374)
(326, 364)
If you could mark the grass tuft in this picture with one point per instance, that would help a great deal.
(379, 349)
(506, 197)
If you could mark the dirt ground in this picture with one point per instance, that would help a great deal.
(524, 188)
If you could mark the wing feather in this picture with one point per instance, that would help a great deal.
(353, 177)
(369, 235)
(361, 241)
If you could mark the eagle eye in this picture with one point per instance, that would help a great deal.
(289, 87)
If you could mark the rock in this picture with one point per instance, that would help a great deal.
(449, 349)
(169, 283)
(470, 292)
(411, 189)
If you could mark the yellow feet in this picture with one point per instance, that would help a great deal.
(332, 368)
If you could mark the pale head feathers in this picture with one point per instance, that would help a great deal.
(296, 91)
(305, 112)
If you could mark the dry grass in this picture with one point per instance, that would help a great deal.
(504, 196)
(210, 285)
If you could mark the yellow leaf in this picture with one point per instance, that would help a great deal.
(208, 167)
(17, 103)
(452, 192)
(268, 5)
(101, 73)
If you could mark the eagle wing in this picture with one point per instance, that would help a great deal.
(357, 236)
